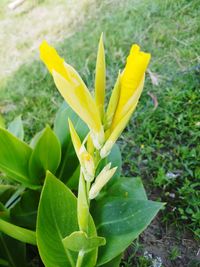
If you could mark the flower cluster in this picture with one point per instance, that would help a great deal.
(105, 124)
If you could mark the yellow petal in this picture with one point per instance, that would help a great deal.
(52, 60)
(132, 77)
(90, 146)
(113, 103)
(131, 102)
(80, 100)
(75, 139)
(100, 77)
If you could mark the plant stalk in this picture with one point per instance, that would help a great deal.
(80, 259)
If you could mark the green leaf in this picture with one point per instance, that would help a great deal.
(2, 123)
(72, 183)
(78, 241)
(122, 216)
(24, 213)
(14, 158)
(114, 262)
(12, 251)
(115, 158)
(69, 161)
(57, 218)
(45, 156)
(127, 188)
(19, 233)
(16, 128)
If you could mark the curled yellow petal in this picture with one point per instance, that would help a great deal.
(131, 81)
(80, 101)
(73, 90)
(100, 77)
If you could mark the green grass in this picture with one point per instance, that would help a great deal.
(161, 145)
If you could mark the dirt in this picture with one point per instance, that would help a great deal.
(158, 243)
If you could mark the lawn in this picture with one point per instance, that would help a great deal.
(162, 142)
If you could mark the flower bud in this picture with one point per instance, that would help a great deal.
(87, 165)
(102, 179)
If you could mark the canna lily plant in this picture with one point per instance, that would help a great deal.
(87, 213)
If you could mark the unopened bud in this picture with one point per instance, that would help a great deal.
(88, 167)
(102, 179)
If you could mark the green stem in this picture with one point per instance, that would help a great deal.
(82, 208)
(80, 259)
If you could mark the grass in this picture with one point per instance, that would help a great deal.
(161, 145)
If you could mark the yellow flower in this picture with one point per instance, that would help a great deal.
(123, 101)
(74, 91)
(127, 94)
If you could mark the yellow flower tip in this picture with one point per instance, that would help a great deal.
(100, 77)
(134, 49)
(52, 60)
(101, 38)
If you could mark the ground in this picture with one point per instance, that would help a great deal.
(161, 143)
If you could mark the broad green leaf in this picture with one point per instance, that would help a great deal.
(6, 192)
(121, 215)
(115, 158)
(14, 158)
(69, 161)
(12, 251)
(72, 183)
(113, 263)
(78, 241)
(24, 213)
(127, 188)
(16, 128)
(2, 123)
(45, 156)
(19, 233)
(57, 218)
